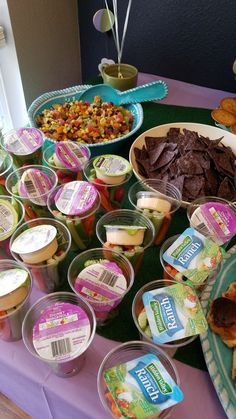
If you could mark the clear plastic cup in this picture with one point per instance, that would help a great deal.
(127, 218)
(6, 168)
(112, 196)
(201, 227)
(65, 174)
(11, 321)
(81, 227)
(124, 353)
(35, 206)
(104, 311)
(5, 237)
(48, 276)
(63, 367)
(138, 306)
(24, 145)
(163, 191)
(171, 273)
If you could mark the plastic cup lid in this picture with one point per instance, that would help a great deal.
(34, 239)
(23, 141)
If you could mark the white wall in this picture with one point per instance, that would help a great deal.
(42, 51)
(11, 90)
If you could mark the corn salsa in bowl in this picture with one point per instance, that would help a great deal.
(62, 116)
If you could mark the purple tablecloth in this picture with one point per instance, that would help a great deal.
(31, 384)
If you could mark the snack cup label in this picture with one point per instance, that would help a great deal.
(35, 185)
(76, 198)
(12, 279)
(174, 313)
(8, 219)
(194, 255)
(142, 387)
(61, 332)
(220, 220)
(111, 165)
(72, 156)
(34, 239)
(24, 141)
(101, 284)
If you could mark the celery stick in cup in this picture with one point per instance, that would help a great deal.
(67, 159)
(126, 231)
(158, 200)
(103, 282)
(24, 145)
(75, 204)
(32, 185)
(11, 216)
(42, 245)
(109, 174)
(6, 167)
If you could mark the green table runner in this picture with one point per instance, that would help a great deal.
(122, 327)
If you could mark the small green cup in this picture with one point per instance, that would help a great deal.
(128, 76)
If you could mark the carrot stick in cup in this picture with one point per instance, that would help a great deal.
(105, 203)
(28, 210)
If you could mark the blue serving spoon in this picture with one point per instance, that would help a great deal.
(156, 90)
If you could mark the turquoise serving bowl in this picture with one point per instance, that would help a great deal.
(46, 101)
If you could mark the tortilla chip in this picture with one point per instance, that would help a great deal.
(195, 164)
(194, 186)
(178, 182)
(227, 190)
(156, 152)
(212, 185)
(164, 159)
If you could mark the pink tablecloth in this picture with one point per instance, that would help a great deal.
(31, 384)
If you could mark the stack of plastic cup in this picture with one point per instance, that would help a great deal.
(66, 343)
(35, 197)
(157, 200)
(137, 308)
(105, 308)
(11, 320)
(49, 275)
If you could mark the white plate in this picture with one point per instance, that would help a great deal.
(161, 130)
